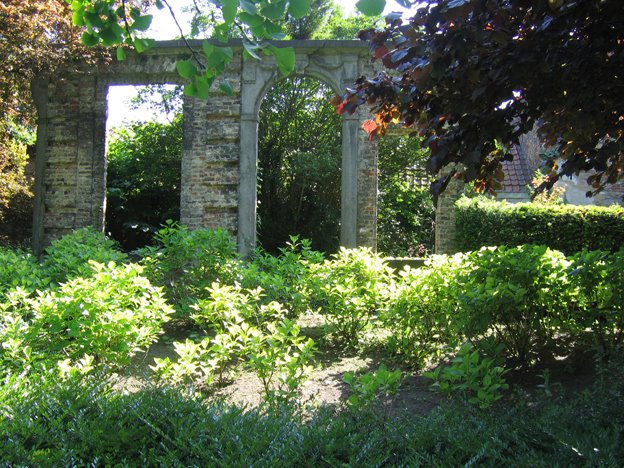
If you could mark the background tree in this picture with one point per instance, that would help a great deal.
(299, 158)
(471, 76)
(36, 38)
(143, 180)
(405, 216)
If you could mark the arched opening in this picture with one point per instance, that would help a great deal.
(299, 165)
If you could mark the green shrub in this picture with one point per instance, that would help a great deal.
(108, 317)
(143, 180)
(245, 329)
(481, 381)
(483, 222)
(21, 269)
(366, 388)
(516, 297)
(405, 220)
(351, 288)
(185, 262)
(68, 257)
(284, 278)
(599, 277)
(423, 310)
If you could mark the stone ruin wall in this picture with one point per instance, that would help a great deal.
(219, 147)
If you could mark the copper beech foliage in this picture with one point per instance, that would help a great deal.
(36, 38)
(472, 76)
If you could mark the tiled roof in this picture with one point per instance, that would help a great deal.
(517, 174)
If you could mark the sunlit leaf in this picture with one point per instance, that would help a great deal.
(274, 10)
(249, 7)
(228, 10)
(78, 18)
(186, 68)
(121, 54)
(371, 7)
(285, 59)
(251, 20)
(142, 23)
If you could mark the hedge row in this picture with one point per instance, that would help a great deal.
(568, 228)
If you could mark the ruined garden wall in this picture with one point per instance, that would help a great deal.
(220, 142)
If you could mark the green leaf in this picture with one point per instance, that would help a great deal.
(251, 20)
(202, 86)
(249, 7)
(89, 39)
(78, 18)
(251, 48)
(275, 10)
(229, 10)
(299, 8)
(226, 88)
(371, 7)
(94, 20)
(142, 44)
(208, 48)
(285, 59)
(121, 54)
(186, 68)
(142, 23)
(109, 36)
(159, 4)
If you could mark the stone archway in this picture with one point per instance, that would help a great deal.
(220, 142)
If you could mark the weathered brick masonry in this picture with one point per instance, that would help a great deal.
(220, 142)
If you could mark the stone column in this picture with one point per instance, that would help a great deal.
(247, 189)
(349, 183)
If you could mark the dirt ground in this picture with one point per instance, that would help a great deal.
(326, 386)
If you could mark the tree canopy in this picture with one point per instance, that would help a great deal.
(472, 76)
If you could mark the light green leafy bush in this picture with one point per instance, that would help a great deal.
(423, 309)
(109, 317)
(284, 278)
(350, 288)
(68, 257)
(245, 330)
(19, 268)
(186, 261)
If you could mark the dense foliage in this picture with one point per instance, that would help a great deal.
(299, 162)
(81, 423)
(569, 228)
(405, 216)
(67, 323)
(469, 75)
(143, 180)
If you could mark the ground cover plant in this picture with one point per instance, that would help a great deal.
(477, 328)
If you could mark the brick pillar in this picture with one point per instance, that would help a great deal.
(445, 217)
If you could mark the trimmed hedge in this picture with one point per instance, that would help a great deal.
(569, 228)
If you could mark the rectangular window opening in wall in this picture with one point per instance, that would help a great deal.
(144, 134)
